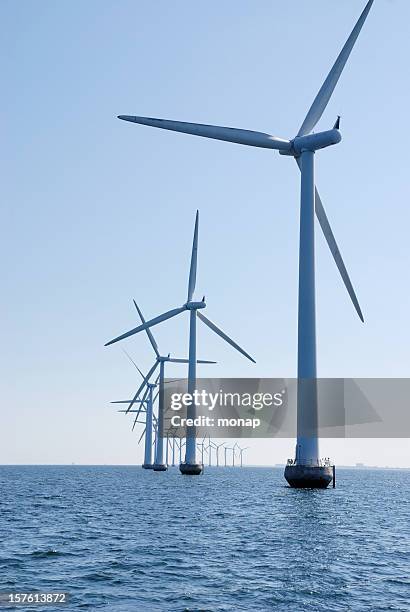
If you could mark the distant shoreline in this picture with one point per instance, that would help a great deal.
(130, 465)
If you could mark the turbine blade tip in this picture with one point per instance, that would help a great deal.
(126, 118)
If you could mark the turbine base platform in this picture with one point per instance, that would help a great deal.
(159, 467)
(147, 466)
(191, 469)
(309, 477)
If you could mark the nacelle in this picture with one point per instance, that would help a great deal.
(313, 142)
(195, 305)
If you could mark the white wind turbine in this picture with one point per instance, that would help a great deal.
(226, 448)
(190, 466)
(241, 451)
(307, 469)
(160, 360)
(217, 447)
(209, 450)
(151, 423)
(201, 445)
(146, 404)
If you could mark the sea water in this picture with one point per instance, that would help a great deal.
(233, 539)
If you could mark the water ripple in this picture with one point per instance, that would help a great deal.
(122, 539)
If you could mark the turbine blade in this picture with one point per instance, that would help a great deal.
(141, 405)
(126, 401)
(334, 249)
(132, 361)
(174, 360)
(126, 411)
(325, 92)
(245, 137)
(223, 335)
(143, 384)
(135, 422)
(151, 323)
(194, 261)
(149, 332)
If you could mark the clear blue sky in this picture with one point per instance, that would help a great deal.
(96, 211)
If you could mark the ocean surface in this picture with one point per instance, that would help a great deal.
(126, 539)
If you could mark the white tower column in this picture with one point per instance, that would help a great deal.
(307, 447)
(190, 451)
(148, 431)
(159, 447)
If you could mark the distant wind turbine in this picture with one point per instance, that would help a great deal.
(217, 447)
(148, 427)
(241, 451)
(147, 401)
(190, 466)
(150, 423)
(209, 450)
(226, 448)
(201, 445)
(173, 450)
(307, 469)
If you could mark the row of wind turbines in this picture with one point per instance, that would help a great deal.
(307, 469)
(153, 445)
(144, 397)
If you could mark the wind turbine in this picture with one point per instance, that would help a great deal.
(202, 445)
(171, 444)
(307, 470)
(173, 450)
(209, 450)
(190, 466)
(226, 448)
(234, 454)
(181, 445)
(160, 360)
(241, 450)
(148, 427)
(217, 447)
(148, 401)
(150, 422)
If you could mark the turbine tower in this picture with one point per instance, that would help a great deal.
(148, 428)
(307, 469)
(190, 466)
